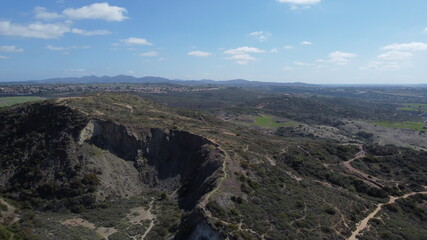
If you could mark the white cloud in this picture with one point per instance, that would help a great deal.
(199, 54)
(10, 49)
(391, 60)
(101, 11)
(274, 50)
(340, 58)
(306, 43)
(241, 54)
(381, 65)
(260, 35)
(413, 46)
(50, 47)
(3, 57)
(395, 56)
(97, 11)
(34, 30)
(149, 54)
(242, 59)
(43, 30)
(53, 48)
(90, 33)
(300, 2)
(425, 29)
(80, 47)
(243, 50)
(298, 63)
(42, 13)
(287, 47)
(136, 41)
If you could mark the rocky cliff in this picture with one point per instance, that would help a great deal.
(62, 157)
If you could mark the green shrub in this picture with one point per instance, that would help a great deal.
(330, 211)
(3, 207)
(392, 207)
(90, 179)
(5, 233)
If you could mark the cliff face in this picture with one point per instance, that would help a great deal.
(67, 158)
(169, 160)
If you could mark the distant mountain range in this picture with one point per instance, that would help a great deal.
(92, 79)
(149, 79)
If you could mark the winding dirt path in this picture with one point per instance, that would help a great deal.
(370, 180)
(373, 181)
(364, 223)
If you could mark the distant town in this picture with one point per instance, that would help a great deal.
(39, 89)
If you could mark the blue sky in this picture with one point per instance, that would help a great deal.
(313, 41)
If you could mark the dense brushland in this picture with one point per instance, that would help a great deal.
(288, 166)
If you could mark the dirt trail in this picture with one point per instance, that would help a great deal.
(9, 213)
(126, 106)
(270, 160)
(364, 223)
(239, 225)
(151, 217)
(373, 181)
(370, 180)
(223, 169)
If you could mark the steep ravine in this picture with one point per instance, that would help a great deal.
(55, 156)
(162, 159)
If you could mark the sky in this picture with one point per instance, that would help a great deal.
(311, 41)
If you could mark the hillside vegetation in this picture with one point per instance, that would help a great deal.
(119, 166)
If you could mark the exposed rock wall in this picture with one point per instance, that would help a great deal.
(61, 154)
(166, 159)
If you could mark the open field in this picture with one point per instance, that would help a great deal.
(413, 107)
(8, 101)
(416, 126)
(266, 121)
